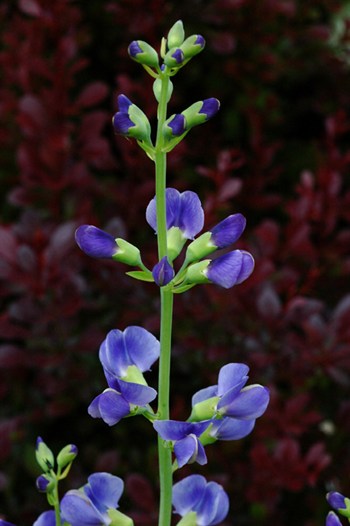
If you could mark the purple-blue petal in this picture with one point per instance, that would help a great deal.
(176, 430)
(178, 55)
(110, 406)
(95, 242)
(41, 483)
(137, 394)
(191, 215)
(177, 125)
(231, 428)
(228, 231)
(214, 505)
(183, 210)
(5, 523)
(47, 518)
(104, 490)
(200, 41)
(134, 346)
(123, 103)
(163, 272)
(232, 375)
(77, 509)
(134, 48)
(249, 404)
(210, 107)
(122, 123)
(332, 519)
(336, 500)
(188, 493)
(201, 456)
(185, 450)
(204, 394)
(230, 269)
(247, 267)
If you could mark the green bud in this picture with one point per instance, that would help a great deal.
(119, 519)
(200, 248)
(134, 376)
(176, 35)
(204, 410)
(192, 115)
(157, 86)
(175, 242)
(66, 455)
(174, 58)
(196, 273)
(127, 253)
(192, 46)
(142, 128)
(143, 53)
(44, 455)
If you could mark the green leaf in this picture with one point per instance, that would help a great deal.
(141, 275)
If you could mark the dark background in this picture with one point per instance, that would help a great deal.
(278, 152)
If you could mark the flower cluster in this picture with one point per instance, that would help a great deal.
(184, 219)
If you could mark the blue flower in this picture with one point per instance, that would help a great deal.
(5, 523)
(332, 519)
(232, 399)
(95, 242)
(203, 503)
(90, 505)
(227, 270)
(163, 272)
(184, 435)
(124, 356)
(183, 211)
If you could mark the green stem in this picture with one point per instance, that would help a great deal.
(166, 313)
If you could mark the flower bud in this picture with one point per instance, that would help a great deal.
(44, 455)
(143, 53)
(95, 242)
(175, 126)
(192, 46)
(66, 455)
(44, 483)
(130, 121)
(332, 519)
(176, 35)
(174, 58)
(200, 112)
(340, 503)
(157, 86)
(163, 272)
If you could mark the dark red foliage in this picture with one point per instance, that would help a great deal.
(278, 152)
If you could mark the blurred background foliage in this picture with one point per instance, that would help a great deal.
(278, 152)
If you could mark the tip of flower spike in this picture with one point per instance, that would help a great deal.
(210, 107)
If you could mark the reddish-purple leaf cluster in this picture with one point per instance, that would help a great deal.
(277, 152)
